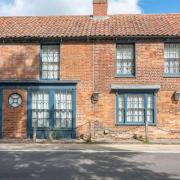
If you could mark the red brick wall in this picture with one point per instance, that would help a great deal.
(149, 70)
(100, 7)
(14, 119)
(93, 65)
(77, 64)
(19, 61)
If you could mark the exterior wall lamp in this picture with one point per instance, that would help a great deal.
(95, 97)
(177, 96)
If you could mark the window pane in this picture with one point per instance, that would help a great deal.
(150, 116)
(150, 101)
(135, 108)
(50, 61)
(125, 59)
(121, 108)
(63, 109)
(40, 109)
(121, 116)
(150, 110)
(172, 58)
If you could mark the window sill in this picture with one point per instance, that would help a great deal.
(171, 75)
(134, 124)
(125, 76)
(43, 79)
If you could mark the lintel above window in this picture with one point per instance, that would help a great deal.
(137, 87)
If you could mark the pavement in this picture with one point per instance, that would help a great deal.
(153, 148)
(89, 161)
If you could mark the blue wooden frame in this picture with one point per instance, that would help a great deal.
(134, 58)
(1, 113)
(170, 75)
(52, 91)
(125, 94)
(40, 63)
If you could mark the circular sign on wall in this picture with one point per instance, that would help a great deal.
(15, 100)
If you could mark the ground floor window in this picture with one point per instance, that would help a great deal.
(63, 109)
(51, 111)
(52, 107)
(136, 108)
(40, 109)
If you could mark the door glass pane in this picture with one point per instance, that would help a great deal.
(63, 109)
(40, 109)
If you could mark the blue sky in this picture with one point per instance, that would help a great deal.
(160, 6)
(81, 7)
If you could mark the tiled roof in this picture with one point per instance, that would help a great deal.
(86, 26)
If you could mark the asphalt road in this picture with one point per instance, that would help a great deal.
(88, 165)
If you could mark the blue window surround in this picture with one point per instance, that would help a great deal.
(40, 85)
(40, 63)
(126, 75)
(168, 75)
(1, 104)
(125, 93)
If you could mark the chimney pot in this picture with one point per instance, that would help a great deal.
(100, 7)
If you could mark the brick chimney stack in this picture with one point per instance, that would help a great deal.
(100, 7)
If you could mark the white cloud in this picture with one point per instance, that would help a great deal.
(124, 7)
(63, 7)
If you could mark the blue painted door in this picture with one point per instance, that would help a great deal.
(1, 103)
(51, 113)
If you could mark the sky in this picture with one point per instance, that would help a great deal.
(84, 7)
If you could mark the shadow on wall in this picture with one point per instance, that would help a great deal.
(22, 63)
(77, 166)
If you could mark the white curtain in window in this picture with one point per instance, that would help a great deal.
(63, 108)
(50, 62)
(121, 108)
(135, 108)
(40, 109)
(150, 109)
(172, 58)
(125, 59)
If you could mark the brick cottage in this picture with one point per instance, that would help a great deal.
(103, 76)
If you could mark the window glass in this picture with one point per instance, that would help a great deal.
(172, 59)
(137, 109)
(50, 61)
(40, 109)
(63, 109)
(125, 59)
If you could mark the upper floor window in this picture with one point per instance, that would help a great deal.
(50, 64)
(135, 108)
(125, 60)
(172, 59)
